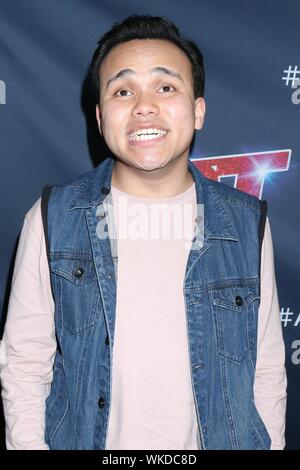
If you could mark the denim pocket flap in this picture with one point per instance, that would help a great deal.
(235, 297)
(77, 270)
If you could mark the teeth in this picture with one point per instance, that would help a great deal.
(146, 134)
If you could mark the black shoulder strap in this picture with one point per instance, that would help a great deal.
(44, 207)
(262, 223)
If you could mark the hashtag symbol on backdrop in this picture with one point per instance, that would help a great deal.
(285, 316)
(292, 74)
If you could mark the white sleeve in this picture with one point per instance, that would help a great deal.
(270, 374)
(28, 345)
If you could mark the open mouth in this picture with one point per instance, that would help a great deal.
(142, 135)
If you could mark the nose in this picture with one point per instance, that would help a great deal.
(145, 105)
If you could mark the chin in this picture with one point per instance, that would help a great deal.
(149, 163)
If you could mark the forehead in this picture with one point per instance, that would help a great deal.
(143, 55)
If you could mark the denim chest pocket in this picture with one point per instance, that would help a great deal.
(77, 293)
(234, 312)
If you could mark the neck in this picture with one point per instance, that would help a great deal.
(169, 181)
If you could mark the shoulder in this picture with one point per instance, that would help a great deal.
(33, 218)
(73, 183)
(234, 197)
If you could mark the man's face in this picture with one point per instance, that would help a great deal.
(147, 112)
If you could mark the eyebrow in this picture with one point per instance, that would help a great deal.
(155, 70)
(165, 70)
(119, 75)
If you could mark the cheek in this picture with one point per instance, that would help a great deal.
(182, 113)
(112, 117)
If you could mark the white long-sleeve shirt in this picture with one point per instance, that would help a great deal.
(28, 346)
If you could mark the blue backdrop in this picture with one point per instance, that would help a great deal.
(250, 138)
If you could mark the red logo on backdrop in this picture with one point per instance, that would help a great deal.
(249, 169)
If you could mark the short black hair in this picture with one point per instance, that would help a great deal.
(147, 27)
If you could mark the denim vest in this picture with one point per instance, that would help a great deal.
(221, 292)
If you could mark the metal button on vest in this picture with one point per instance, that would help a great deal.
(105, 190)
(78, 271)
(238, 300)
(101, 402)
(110, 275)
(107, 340)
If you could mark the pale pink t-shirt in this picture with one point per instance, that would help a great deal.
(150, 339)
(152, 404)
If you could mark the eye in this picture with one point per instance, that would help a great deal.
(166, 89)
(123, 92)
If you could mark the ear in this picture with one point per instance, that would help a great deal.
(98, 117)
(199, 112)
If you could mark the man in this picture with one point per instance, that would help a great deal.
(153, 342)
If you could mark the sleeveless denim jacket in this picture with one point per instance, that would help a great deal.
(222, 295)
